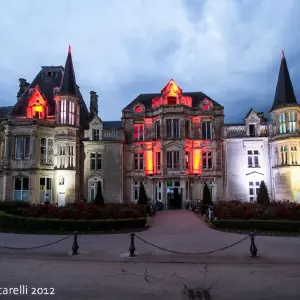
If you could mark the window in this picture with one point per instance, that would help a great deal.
(22, 147)
(138, 132)
(294, 155)
(62, 158)
(37, 111)
(139, 161)
(206, 130)
(283, 155)
(158, 190)
(253, 190)
(71, 113)
(158, 161)
(46, 151)
(173, 160)
(282, 123)
(187, 161)
(253, 159)
(63, 111)
(61, 180)
(157, 129)
(71, 156)
(207, 160)
(96, 161)
(252, 131)
(187, 129)
(96, 134)
(21, 188)
(45, 189)
(172, 128)
(136, 190)
(292, 121)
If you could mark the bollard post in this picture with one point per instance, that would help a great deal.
(75, 246)
(132, 246)
(253, 248)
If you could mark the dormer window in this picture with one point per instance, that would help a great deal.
(37, 105)
(49, 74)
(282, 123)
(172, 100)
(96, 134)
(292, 121)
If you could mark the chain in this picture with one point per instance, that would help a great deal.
(36, 247)
(189, 253)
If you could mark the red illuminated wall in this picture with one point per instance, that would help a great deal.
(37, 105)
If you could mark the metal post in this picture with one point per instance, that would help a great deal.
(132, 246)
(75, 246)
(253, 249)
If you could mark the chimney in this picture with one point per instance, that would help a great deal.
(23, 85)
(93, 104)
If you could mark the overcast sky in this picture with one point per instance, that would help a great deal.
(228, 49)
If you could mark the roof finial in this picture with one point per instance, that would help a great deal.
(69, 51)
(282, 53)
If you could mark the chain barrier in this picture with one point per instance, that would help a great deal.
(36, 247)
(194, 253)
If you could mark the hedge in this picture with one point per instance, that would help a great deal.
(259, 225)
(14, 222)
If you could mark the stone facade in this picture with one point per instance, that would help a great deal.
(52, 148)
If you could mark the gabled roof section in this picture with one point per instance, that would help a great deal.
(146, 100)
(251, 113)
(68, 85)
(171, 89)
(95, 120)
(47, 79)
(284, 95)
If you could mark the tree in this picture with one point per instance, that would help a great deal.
(263, 196)
(99, 200)
(206, 199)
(206, 196)
(143, 200)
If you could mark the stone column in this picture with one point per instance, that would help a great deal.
(183, 193)
(164, 194)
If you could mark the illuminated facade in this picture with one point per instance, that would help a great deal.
(53, 148)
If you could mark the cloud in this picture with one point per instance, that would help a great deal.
(229, 49)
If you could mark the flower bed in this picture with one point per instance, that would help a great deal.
(237, 210)
(28, 224)
(258, 225)
(81, 211)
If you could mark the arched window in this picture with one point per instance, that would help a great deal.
(72, 113)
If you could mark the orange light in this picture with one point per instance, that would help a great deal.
(197, 163)
(37, 108)
(36, 104)
(149, 159)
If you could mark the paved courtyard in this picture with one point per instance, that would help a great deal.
(102, 271)
(181, 231)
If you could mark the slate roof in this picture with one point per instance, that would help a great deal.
(68, 85)
(112, 124)
(47, 79)
(4, 111)
(146, 99)
(284, 95)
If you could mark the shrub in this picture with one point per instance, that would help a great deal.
(143, 199)
(99, 200)
(82, 211)
(259, 225)
(227, 210)
(263, 196)
(13, 205)
(39, 224)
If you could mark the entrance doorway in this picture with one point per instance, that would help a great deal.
(174, 195)
(61, 201)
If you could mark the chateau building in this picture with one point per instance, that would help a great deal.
(53, 148)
